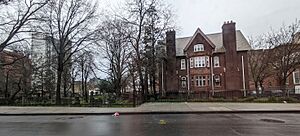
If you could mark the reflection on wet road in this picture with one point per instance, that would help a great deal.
(150, 125)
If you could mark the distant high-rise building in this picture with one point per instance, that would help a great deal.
(44, 60)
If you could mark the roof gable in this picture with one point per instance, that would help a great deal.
(217, 39)
(198, 31)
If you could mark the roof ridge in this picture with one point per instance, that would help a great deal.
(184, 37)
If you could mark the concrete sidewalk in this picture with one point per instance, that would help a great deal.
(158, 108)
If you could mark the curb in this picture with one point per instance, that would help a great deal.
(158, 112)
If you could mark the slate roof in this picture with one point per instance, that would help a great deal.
(216, 39)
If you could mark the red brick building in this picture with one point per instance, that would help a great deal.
(206, 63)
(15, 74)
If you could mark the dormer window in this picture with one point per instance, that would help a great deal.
(198, 47)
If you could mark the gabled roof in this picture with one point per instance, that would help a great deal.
(216, 39)
(198, 31)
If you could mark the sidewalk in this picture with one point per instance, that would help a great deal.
(158, 108)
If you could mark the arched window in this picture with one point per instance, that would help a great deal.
(217, 79)
(183, 82)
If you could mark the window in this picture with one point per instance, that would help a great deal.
(198, 47)
(200, 61)
(207, 61)
(296, 77)
(183, 82)
(200, 81)
(208, 80)
(216, 61)
(191, 62)
(183, 64)
(217, 79)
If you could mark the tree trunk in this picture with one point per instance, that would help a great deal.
(262, 87)
(141, 83)
(134, 91)
(12, 98)
(58, 83)
(6, 86)
(256, 88)
(65, 85)
(146, 84)
(73, 87)
(85, 91)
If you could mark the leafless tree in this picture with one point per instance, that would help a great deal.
(71, 24)
(285, 52)
(259, 62)
(4, 1)
(116, 51)
(15, 23)
(87, 68)
(146, 18)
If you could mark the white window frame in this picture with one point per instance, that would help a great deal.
(217, 80)
(191, 62)
(200, 61)
(198, 47)
(200, 81)
(216, 61)
(296, 81)
(207, 61)
(183, 82)
(182, 64)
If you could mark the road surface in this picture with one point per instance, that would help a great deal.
(151, 125)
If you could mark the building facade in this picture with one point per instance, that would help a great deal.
(44, 61)
(205, 63)
(15, 75)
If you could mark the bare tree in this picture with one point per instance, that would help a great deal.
(259, 62)
(116, 49)
(15, 24)
(71, 25)
(159, 20)
(144, 18)
(4, 1)
(87, 67)
(285, 52)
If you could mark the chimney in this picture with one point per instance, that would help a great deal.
(171, 74)
(231, 58)
(229, 36)
(170, 43)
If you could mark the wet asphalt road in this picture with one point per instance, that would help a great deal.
(148, 125)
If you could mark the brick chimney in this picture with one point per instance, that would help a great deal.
(171, 74)
(229, 36)
(229, 42)
(170, 43)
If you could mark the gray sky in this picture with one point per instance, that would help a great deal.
(253, 17)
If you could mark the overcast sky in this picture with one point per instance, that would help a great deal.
(252, 17)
